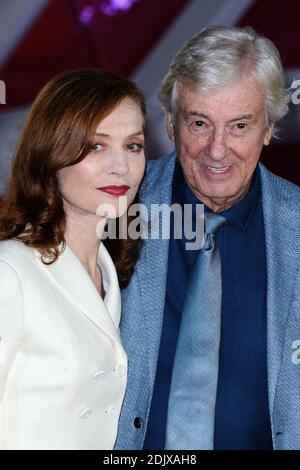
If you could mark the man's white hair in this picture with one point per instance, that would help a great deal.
(218, 57)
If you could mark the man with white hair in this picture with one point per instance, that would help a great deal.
(213, 335)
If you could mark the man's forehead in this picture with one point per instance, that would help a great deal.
(236, 101)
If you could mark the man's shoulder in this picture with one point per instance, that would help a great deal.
(279, 190)
(159, 175)
(162, 162)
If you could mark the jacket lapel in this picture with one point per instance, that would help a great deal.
(74, 282)
(282, 252)
(152, 269)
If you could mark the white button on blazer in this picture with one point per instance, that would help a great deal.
(58, 335)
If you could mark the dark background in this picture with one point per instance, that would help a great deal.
(136, 38)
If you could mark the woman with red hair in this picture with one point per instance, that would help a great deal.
(63, 370)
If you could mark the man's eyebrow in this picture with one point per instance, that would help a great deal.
(196, 113)
(244, 117)
(240, 118)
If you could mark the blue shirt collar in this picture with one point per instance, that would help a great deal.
(240, 214)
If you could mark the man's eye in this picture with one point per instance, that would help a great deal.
(241, 125)
(199, 123)
(199, 127)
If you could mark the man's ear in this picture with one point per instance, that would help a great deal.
(268, 135)
(170, 126)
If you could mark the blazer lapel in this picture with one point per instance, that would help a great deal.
(282, 252)
(112, 299)
(151, 272)
(72, 279)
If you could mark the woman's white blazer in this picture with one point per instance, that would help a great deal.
(63, 370)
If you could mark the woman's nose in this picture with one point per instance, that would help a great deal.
(119, 163)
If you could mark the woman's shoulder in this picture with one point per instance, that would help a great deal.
(16, 253)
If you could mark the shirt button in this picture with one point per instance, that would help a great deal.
(113, 412)
(99, 374)
(85, 413)
(138, 423)
(121, 370)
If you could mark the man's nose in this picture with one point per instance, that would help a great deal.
(217, 148)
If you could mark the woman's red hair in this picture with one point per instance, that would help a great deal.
(59, 133)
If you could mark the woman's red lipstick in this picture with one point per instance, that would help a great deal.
(115, 190)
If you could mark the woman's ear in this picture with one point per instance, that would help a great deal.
(170, 126)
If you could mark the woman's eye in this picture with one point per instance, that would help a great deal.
(96, 147)
(134, 147)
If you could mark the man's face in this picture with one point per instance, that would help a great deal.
(219, 138)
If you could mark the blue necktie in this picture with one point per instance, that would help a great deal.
(191, 410)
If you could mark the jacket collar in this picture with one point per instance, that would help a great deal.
(153, 262)
(72, 279)
(281, 201)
